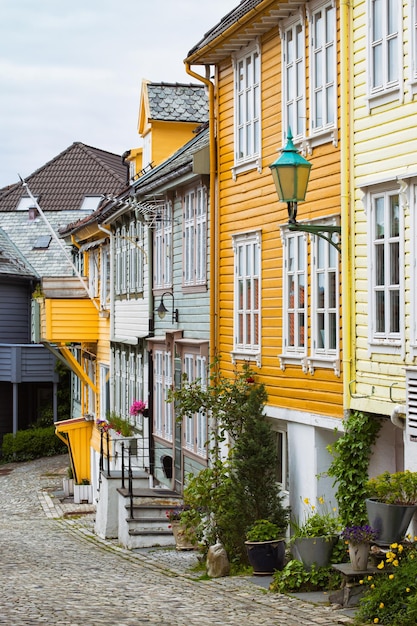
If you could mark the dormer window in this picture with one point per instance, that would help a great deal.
(90, 203)
(26, 203)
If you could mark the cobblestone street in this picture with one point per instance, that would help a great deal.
(55, 571)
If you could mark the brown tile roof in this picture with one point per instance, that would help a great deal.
(62, 183)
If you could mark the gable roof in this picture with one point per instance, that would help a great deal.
(62, 183)
(12, 262)
(172, 102)
(239, 27)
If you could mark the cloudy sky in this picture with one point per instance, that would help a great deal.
(72, 71)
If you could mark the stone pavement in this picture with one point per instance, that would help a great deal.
(55, 571)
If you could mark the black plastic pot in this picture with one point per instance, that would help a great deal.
(266, 556)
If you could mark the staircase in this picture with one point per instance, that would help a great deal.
(142, 517)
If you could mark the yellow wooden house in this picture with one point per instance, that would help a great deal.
(383, 188)
(276, 289)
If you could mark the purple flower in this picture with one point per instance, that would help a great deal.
(359, 534)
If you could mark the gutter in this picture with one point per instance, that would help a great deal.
(213, 216)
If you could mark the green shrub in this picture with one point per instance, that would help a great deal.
(30, 444)
(294, 577)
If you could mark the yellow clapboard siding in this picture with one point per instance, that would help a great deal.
(70, 321)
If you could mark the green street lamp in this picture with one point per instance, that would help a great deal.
(290, 173)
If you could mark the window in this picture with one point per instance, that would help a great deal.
(295, 300)
(386, 267)
(128, 377)
(247, 107)
(163, 249)
(93, 272)
(195, 237)
(413, 39)
(311, 335)
(323, 68)
(129, 253)
(42, 242)
(105, 277)
(104, 391)
(90, 203)
(385, 49)
(294, 80)
(281, 469)
(163, 380)
(195, 427)
(325, 325)
(247, 290)
(26, 203)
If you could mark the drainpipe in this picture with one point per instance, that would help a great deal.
(346, 213)
(213, 215)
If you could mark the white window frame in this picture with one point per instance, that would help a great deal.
(325, 273)
(324, 124)
(162, 246)
(195, 237)
(247, 308)
(389, 88)
(195, 428)
(386, 340)
(163, 381)
(295, 270)
(104, 390)
(105, 277)
(413, 44)
(247, 110)
(93, 272)
(293, 72)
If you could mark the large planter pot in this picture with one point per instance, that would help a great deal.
(184, 539)
(83, 494)
(358, 555)
(390, 520)
(314, 550)
(266, 556)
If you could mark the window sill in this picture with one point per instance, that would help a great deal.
(252, 164)
(246, 355)
(310, 363)
(320, 137)
(385, 96)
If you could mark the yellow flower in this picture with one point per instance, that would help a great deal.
(361, 582)
(411, 556)
(381, 605)
(400, 548)
(372, 586)
(394, 545)
(415, 538)
(381, 565)
(395, 563)
(408, 589)
(321, 500)
(334, 509)
(391, 576)
(376, 620)
(370, 577)
(313, 507)
(306, 501)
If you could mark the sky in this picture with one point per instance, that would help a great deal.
(72, 71)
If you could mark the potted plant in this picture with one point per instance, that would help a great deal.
(314, 539)
(184, 536)
(83, 493)
(391, 504)
(68, 483)
(359, 539)
(265, 547)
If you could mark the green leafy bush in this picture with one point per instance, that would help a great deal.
(30, 444)
(263, 530)
(294, 577)
(391, 597)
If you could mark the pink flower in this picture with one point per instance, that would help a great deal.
(137, 407)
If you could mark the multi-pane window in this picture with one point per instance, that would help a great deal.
(247, 106)
(162, 243)
(105, 277)
(384, 43)
(386, 266)
(127, 378)
(295, 293)
(294, 83)
(195, 427)
(104, 391)
(195, 236)
(323, 67)
(129, 255)
(163, 410)
(247, 249)
(93, 272)
(325, 297)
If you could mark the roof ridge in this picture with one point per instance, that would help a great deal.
(92, 152)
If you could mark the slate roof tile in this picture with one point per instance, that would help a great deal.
(177, 102)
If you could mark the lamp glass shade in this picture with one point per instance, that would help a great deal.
(162, 310)
(290, 173)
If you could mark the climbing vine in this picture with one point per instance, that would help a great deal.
(351, 454)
